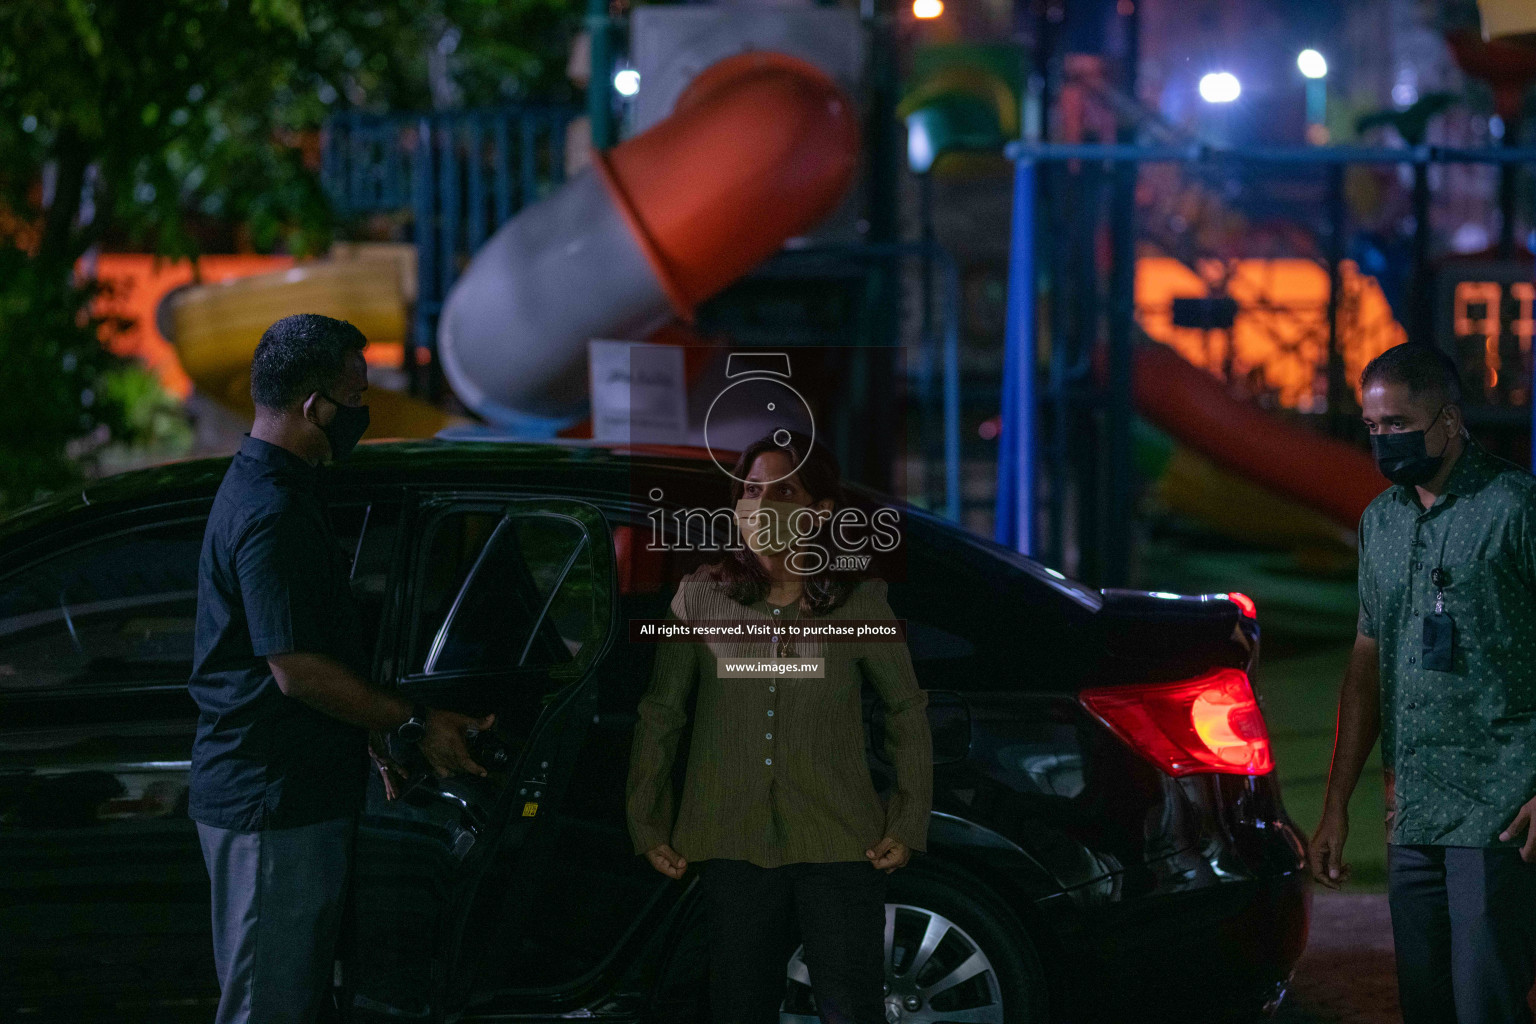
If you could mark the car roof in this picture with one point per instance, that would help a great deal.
(403, 462)
(576, 468)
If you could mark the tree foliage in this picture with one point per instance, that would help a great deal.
(159, 124)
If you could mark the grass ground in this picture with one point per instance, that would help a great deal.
(1308, 624)
(1299, 694)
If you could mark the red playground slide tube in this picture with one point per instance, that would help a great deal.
(1336, 478)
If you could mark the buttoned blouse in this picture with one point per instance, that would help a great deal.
(777, 772)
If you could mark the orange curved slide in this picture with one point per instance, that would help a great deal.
(759, 147)
(1335, 478)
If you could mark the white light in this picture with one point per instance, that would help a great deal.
(1312, 63)
(627, 82)
(1220, 87)
(1165, 595)
(919, 147)
(927, 9)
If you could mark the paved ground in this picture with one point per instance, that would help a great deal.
(1347, 975)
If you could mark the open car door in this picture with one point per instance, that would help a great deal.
(503, 606)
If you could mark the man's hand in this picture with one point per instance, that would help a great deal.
(392, 771)
(1525, 819)
(443, 746)
(667, 860)
(1326, 851)
(889, 854)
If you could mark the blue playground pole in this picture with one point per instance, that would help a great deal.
(1015, 519)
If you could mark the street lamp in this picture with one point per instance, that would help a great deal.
(1314, 68)
(926, 10)
(1220, 87)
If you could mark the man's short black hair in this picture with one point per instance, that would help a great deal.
(299, 355)
(1422, 369)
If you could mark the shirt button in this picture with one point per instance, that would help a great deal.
(770, 690)
(769, 760)
(770, 714)
(1411, 751)
(776, 611)
(1418, 565)
(1410, 659)
(767, 735)
(1412, 704)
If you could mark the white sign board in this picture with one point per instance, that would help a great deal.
(639, 392)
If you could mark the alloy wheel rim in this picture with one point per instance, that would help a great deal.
(935, 973)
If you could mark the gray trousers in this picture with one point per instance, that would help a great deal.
(1464, 924)
(278, 896)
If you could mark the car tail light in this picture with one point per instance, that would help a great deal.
(1208, 724)
(1245, 604)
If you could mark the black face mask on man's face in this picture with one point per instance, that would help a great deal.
(346, 427)
(1403, 458)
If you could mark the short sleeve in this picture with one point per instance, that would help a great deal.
(1366, 623)
(283, 564)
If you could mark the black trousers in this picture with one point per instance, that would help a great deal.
(1464, 924)
(752, 915)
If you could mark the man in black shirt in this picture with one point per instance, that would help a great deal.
(280, 762)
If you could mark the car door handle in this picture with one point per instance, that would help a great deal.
(469, 817)
(489, 751)
(423, 791)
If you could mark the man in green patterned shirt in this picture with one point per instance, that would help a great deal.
(1444, 669)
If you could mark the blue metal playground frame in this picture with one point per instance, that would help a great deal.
(1019, 442)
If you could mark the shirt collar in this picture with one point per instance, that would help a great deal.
(277, 458)
(1472, 471)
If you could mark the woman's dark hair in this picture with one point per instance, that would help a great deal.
(741, 574)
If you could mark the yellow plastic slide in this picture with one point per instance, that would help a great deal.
(215, 327)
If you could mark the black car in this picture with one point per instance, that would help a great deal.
(1107, 838)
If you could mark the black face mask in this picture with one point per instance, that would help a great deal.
(1402, 457)
(346, 427)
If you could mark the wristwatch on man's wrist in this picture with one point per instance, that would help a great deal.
(414, 728)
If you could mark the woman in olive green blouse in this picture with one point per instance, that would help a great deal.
(777, 798)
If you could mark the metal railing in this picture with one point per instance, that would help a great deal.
(459, 175)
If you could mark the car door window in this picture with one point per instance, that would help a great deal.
(122, 608)
(114, 610)
(367, 533)
(503, 590)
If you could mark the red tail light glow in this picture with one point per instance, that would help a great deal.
(1208, 724)
(1245, 604)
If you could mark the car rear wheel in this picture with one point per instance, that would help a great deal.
(949, 959)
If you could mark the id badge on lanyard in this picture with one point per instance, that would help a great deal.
(1439, 647)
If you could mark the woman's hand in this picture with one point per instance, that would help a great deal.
(889, 854)
(667, 860)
